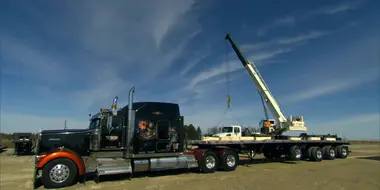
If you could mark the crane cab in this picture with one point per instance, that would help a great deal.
(267, 126)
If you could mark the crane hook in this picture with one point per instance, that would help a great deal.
(228, 100)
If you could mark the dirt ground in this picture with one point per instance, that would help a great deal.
(360, 171)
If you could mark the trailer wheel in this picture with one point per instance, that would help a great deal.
(229, 160)
(329, 152)
(59, 173)
(295, 153)
(315, 154)
(209, 162)
(342, 151)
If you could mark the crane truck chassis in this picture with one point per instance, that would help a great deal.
(149, 136)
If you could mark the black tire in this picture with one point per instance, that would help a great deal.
(315, 154)
(329, 152)
(68, 167)
(294, 153)
(229, 160)
(209, 162)
(342, 151)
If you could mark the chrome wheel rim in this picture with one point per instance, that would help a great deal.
(59, 173)
(332, 153)
(298, 153)
(319, 154)
(344, 151)
(231, 161)
(210, 162)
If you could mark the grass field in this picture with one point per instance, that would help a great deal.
(360, 171)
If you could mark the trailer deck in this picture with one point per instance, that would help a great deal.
(224, 142)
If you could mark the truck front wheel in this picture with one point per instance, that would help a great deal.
(209, 162)
(229, 160)
(59, 173)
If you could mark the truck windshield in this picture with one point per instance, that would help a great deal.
(227, 130)
(94, 123)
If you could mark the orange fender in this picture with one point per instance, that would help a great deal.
(44, 159)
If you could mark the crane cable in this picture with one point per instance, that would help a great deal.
(228, 108)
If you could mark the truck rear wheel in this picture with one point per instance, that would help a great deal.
(295, 153)
(59, 173)
(329, 152)
(229, 160)
(342, 151)
(315, 154)
(209, 162)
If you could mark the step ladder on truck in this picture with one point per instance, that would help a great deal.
(149, 136)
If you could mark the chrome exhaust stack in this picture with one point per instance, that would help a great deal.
(131, 123)
(114, 105)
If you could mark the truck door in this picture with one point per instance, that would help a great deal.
(236, 132)
(163, 136)
(112, 132)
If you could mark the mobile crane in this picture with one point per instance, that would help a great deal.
(293, 123)
(149, 136)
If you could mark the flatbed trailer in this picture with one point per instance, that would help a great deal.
(293, 148)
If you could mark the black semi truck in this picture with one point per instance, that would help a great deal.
(149, 136)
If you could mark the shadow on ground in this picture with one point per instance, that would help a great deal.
(248, 162)
(376, 158)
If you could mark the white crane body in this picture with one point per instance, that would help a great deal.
(292, 123)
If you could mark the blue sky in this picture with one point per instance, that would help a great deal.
(64, 59)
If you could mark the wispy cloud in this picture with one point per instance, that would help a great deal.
(256, 53)
(302, 38)
(197, 57)
(292, 20)
(296, 40)
(110, 43)
(328, 87)
(33, 63)
(342, 7)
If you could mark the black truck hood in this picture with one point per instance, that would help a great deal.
(76, 140)
(57, 131)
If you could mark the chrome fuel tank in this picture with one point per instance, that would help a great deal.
(165, 163)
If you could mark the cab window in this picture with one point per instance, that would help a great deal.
(94, 124)
(236, 130)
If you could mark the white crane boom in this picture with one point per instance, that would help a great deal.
(293, 123)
